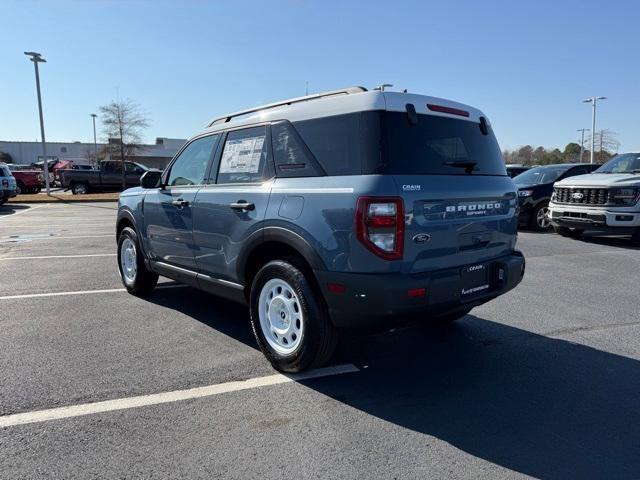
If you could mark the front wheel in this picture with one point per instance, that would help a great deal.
(137, 279)
(541, 218)
(289, 318)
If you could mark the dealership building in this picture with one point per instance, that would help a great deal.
(155, 155)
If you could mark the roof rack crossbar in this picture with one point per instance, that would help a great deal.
(315, 96)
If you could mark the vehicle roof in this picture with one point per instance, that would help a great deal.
(353, 99)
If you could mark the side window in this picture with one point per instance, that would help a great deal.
(575, 171)
(191, 165)
(291, 155)
(245, 157)
(335, 142)
(132, 168)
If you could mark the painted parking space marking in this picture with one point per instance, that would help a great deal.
(77, 292)
(48, 236)
(59, 413)
(48, 257)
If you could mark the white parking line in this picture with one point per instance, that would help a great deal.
(46, 257)
(77, 292)
(168, 397)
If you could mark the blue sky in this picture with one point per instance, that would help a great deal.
(528, 65)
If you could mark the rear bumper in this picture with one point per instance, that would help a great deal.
(373, 299)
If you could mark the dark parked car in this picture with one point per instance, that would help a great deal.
(535, 187)
(515, 170)
(107, 178)
(301, 210)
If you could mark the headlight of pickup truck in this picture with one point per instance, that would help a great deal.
(624, 196)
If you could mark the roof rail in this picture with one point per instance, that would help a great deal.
(315, 96)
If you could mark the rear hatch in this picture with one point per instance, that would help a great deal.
(459, 203)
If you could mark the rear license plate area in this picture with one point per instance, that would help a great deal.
(474, 279)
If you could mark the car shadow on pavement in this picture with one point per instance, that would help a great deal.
(618, 242)
(540, 406)
(9, 208)
(229, 318)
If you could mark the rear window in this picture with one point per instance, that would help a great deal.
(385, 142)
(4, 172)
(435, 145)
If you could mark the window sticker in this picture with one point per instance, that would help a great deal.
(242, 155)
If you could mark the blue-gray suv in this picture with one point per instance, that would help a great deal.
(331, 211)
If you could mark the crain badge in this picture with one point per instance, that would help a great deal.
(411, 188)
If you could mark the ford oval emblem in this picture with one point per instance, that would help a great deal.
(422, 238)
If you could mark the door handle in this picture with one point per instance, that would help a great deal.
(242, 205)
(180, 203)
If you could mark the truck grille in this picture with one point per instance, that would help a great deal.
(582, 196)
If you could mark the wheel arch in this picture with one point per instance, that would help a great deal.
(272, 243)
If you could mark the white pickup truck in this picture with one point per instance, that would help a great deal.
(605, 201)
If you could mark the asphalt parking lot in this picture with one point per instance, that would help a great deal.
(542, 382)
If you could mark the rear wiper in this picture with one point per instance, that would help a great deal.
(468, 166)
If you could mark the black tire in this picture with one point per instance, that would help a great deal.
(144, 280)
(37, 190)
(3, 201)
(80, 188)
(319, 337)
(635, 238)
(20, 188)
(567, 232)
(536, 223)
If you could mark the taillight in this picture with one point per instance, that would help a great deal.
(380, 225)
(5, 182)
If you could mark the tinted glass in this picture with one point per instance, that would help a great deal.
(626, 163)
(4, 172)
(291, 155)
(435, 142)
(190, 167)
(244, 157)
(335, 142)
(540, 175)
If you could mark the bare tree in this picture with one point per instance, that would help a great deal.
(124, 122)
(606, 144)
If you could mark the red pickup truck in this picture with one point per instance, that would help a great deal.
(28, 179)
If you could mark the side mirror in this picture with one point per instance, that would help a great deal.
(151, 179)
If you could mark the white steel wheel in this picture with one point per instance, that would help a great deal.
(280, 315)
(128, 260)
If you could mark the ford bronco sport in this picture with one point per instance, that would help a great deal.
(335, 210)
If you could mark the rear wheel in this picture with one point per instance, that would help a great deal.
(541, 218)
(635, 238)
(289, 318)
(137, 279)
(79, 188)
(20, 188)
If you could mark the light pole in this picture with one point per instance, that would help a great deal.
(37, 58)
(95, 143)
(582, 141)
(593, 101)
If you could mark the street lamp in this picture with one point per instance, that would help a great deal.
(593, 101)
(95, 143)
(37, 58)
(582, 141)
